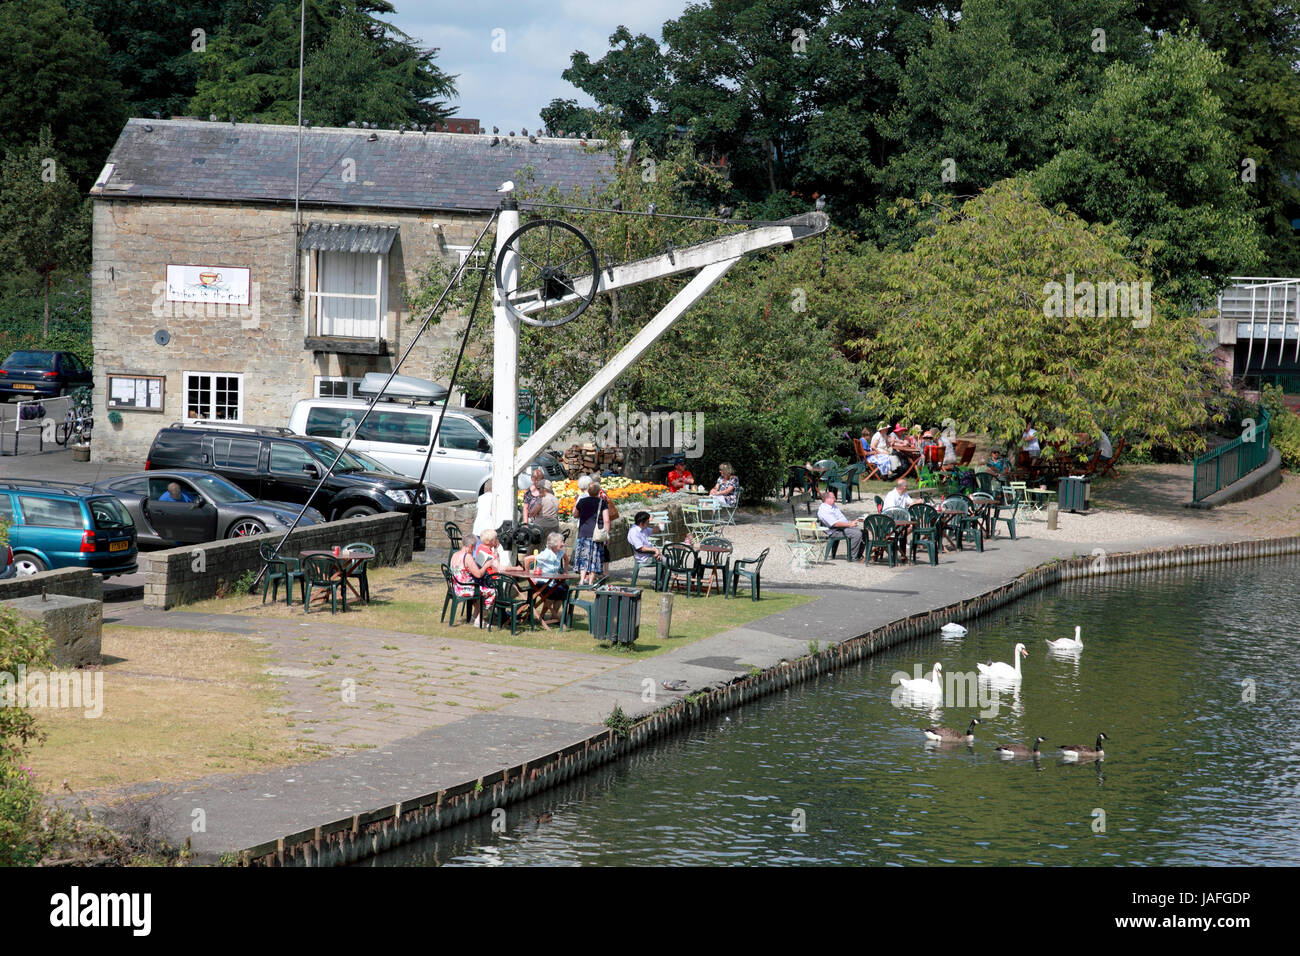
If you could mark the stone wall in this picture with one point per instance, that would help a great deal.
(185, 575)
(74, 582)
(135, 240)
(74, 626)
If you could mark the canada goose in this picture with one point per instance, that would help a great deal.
(1019, 750)
(1067, 643)
(924, 685)
(953, 630)
(1005, 671)
(1072, 752)
(949, 736)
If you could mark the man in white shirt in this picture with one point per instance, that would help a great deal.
(831, 516)
(1103, 446)
(898, 498)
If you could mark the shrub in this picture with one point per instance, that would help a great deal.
(22, 643)
(1284, 427)
(754, 451)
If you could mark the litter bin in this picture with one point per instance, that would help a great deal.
(1072, 494)
(616, 615)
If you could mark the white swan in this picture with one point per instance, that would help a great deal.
(953, 630)
(1005, 671)
(924, 685)
(1066, 643)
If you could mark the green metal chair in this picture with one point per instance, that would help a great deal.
(878, 535)
(511, 604)
(573, 599)
(678, 560)
(926, 530)
(453, 538)
(834, 537)
(454, 599)
(989, 505)
(988, 483)
(653, 565)
(321, 571)
(361, 574)
(965, 523)
(280, 570)
(739, 569)
(849, 477)
(834, 481)
(660, 520)
(697, 526)
(1001, 513)
(798, 481)
(801, 551)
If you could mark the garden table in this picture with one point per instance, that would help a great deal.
(347, 562)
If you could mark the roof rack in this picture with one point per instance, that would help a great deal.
(51, 484)
(228, 426)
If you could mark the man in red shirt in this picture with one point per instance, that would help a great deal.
(680, 477)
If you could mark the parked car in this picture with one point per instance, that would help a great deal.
(55, 524)
(400, 427)
(278, 465)
(213, 508)
(30, 373)
(436, 494)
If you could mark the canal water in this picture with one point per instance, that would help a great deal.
(1192, 674)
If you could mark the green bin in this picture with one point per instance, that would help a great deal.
(1072, 494)
(616, 615)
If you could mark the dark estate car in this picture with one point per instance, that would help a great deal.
(211, 508)
(276, 464)
(58, 524)
(36, 374)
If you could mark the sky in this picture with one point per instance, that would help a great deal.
(508, 88)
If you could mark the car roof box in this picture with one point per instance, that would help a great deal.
(403, 388)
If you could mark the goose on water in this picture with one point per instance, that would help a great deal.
(1073, 752)
(1005, 671)
(1019, 750)
(924, 685)
(1068, 643)
(947, 735)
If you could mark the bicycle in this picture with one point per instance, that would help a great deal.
(77, 422)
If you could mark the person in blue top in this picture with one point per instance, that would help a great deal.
(552, 593)
(174, 493)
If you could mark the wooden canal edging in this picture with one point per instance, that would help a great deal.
(362, 835)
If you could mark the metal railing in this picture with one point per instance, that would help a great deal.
(33, 426)
(1217, 469)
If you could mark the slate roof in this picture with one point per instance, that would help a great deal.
(252, 163)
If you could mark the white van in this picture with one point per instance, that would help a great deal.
(400, 427)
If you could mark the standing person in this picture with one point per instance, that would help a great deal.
(680, 477)
(533, 497)
(551, 593)
(592, 514)
(831, 516)
(1029, 441)
(485, 515)
(548, 515)
(469, 577)
(727, 486)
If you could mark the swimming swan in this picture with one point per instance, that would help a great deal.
(1005, 671)
(1066, 643)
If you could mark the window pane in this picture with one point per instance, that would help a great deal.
(226, 399)
(51, 512)
(236, 453)
(288, 459)
(328, 422)
(198, 399)
(398, 427)
(6, 510)
(459, 434)
(136, 486)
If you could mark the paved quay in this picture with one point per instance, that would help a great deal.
(419, 744)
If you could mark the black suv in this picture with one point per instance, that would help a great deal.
(276, 464)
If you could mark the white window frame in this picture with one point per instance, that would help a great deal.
(212, 387)
(462, 252)
(312, 298)
(352, 383)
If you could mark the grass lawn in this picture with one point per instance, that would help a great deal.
(176, 705)
(409, 598)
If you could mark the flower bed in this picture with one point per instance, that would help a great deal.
(618, 489)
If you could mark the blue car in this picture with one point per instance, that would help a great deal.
(32, 373)
(55, 525)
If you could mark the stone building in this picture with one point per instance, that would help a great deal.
(211, 301)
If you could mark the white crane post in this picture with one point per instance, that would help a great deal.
(505, 374)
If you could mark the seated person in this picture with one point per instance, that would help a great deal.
(727, 486)
(680, 477)
(898, 498)
(879, 453)
(638, 536)
(831, 516)
(174, 493)
(551, 594)
(995, 465)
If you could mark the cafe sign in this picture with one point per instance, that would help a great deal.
(219, 285)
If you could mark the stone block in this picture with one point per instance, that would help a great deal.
(74, 626)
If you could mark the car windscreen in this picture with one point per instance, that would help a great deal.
(219, 490)
(37, 360)
(327, 453)
(109, 513)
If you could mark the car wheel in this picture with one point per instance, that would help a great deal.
(360, 511)
(25, 564)
(244, 527)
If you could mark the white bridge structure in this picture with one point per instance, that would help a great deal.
(1258, 328)
(711, 260)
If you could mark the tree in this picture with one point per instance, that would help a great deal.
(627, 83)
(1153, 155)
(566, 116)
(958, 327)
(54, 73)
(358, 68)
(44, 221)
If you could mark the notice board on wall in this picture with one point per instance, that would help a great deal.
(128, 391)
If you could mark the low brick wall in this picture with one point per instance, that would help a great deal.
(74, 582)
(185, 575)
